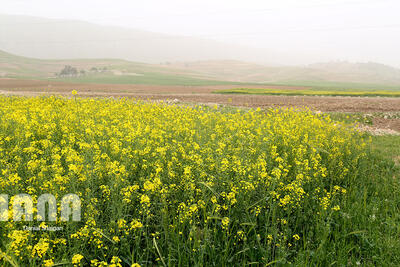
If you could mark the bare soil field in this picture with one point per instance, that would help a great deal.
(382, 123)
(204, 95)
(62, 87)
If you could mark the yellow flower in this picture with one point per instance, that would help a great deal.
(225, 223)
(144, 199)
(76, 259)
(180, 166)
(48, 263)
(336, 208)
(115, 262)
(40, 248)
(121, 223)
(136, 224)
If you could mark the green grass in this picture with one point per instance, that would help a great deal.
(371, 216)
(340, 86)
(352, 117)
(147, 78)
(370, 222)
(387, 147)
(311, 92)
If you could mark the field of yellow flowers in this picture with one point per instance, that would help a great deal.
(181, 185)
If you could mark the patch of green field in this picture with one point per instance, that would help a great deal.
(352, 117)
(311, 92)
(374, 216)
(146, 78)
(340, 86)
(387, 146)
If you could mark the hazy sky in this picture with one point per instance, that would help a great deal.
(355, 30)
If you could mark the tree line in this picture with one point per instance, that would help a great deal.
(70, 71)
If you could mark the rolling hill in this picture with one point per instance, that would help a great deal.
(338, 73)
(116, 71)
(60, 39)
(111, 71)
(13, 65)
(168, 59)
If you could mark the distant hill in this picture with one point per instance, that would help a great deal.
(106, 71)
(370, 72)
(321, 73)
(61, 42)
(331, 74)
(59, 39)
(23, 67)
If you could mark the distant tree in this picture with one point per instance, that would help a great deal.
(94, 69)
(82, 72)
(68, 71)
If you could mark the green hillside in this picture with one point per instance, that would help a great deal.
(113, 71)
(328, 76)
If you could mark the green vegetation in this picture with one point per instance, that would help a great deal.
(352, 117)
(387, 147)
(311, 92)
(126, 72)
(340, 86)
(149, 78)
(92, 71)
(372, 216)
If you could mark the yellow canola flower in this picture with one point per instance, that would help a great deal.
(225, 223)
(76, 259)
(138, 166)
(48, 263)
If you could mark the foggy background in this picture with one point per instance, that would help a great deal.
(269, 32)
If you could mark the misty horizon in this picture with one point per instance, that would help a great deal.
(284, 33)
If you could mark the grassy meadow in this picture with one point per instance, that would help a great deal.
(177, 185)
(148, 78)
